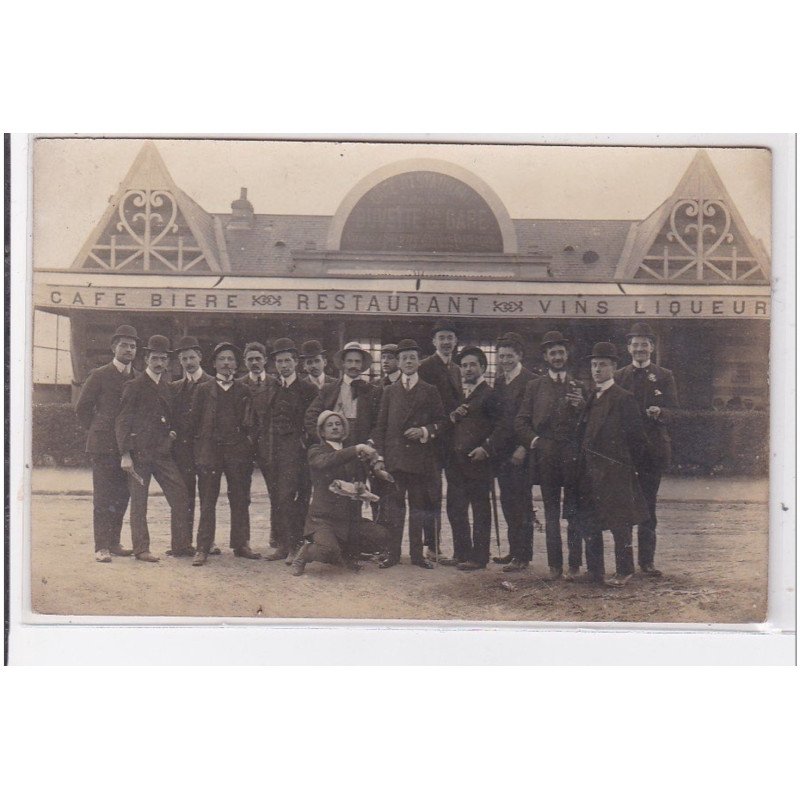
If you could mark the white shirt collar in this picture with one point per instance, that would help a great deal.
(394, 376)
(126, 368)
(556, 376)
(290, 380)
(473, 386)
(642, 366)
(601, 387)
(335, 445)
(262, 375)
(410, 380)
(196, 375)
(347, 379)
(509, 376)
(152, 375)
(318, 381)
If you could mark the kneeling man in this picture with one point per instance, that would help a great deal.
(335, 530)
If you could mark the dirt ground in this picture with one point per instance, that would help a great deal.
(713, 554)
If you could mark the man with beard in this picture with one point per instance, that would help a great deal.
(97, 409)
(410, 418)
(335, 530)
(220, 418)
(545, 424)
(612, 447)
(314, 362)
(656, 396)
(512, 459)
(390, 366)
(289, 462)
(183, 391)
(145, 433)
(440, 371)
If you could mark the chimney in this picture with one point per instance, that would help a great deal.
(242, 213)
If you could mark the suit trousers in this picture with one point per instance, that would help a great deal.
(421, 512)
(163, 469)
(184, 460)
(237, 476)
(623, 550)
(517, 505)
(331, 541)
(266, 473)
(464, 491)
(110, 498)
(551, 499)
(292, 492)
(649, 480)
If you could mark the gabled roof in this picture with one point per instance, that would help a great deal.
(152, 225)
(671, 245)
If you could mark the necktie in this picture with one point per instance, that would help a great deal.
(284, 383)
(355, 385)
(407, 383)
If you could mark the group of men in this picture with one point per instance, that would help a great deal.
(330, 450)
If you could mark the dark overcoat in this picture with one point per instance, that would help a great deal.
(259, 425)
(145, 417)
(98, 405)
(445, 377)
(183, 393)
(510, 396)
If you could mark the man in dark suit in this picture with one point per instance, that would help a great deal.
(314, 360)
(390, 366)
(145, 433)
(221, 421)
(656, 397)
(289, 462)
(335, 530)
(545, 424)
(351, 395)
(262, 389)
(512, 459)
(612, 447)
(183, 390)
(97, 409)
(440, 371)
(409, 421)
(475, 430)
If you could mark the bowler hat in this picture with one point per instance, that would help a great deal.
(311, 349)
(187, 343)
(125, 332)
(472, 351)
(158, 344)
(353, 347)
(510, 336)
(444, 325)
(322, 418)
(553, 338)
(226, 346)
(641, 329)
(283, 346)
(407, 344)
(389, 348)
(604, 350)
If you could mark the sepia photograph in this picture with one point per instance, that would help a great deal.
(399, 381)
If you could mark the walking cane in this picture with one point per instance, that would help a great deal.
(496, 517)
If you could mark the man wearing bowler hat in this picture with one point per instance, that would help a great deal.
(145, 433)
(612, 447)
(189, 354)
(314, 360)
(289, 466)
(409, 421)
(440, 371)
(512, 459)
(545, 424)
(221, 420)
(390, 366)
(97, 408)
(656, 396)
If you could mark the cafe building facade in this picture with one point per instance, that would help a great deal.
(415, 241)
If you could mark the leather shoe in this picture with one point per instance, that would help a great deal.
(595, 577)
(386, 563)
(504, 560)
(102, 556)
(470, 566)
(246, 552)
(184, 551)
(120, 551)
(554, 574)
(199, 559)
(215, 551)
(146, 556)
(291, 557)
(279, 555)
(650, 571)
(572, 574)
(430, 554)
(449, 562)
(422, 562)
(618, 580)
(515, 566)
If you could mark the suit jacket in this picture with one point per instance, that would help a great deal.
(182, 396)
(613, 446)
(510, 396)
(400, 410)
(98, 405)
(287, 421)
(368, 403)
(544, 412)
(202, 423)
(445, 377)
(384, 381)
(482, 427)
(327, 465)
(145, 417)
(261, 410)
(328, 381)
(660, 390)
